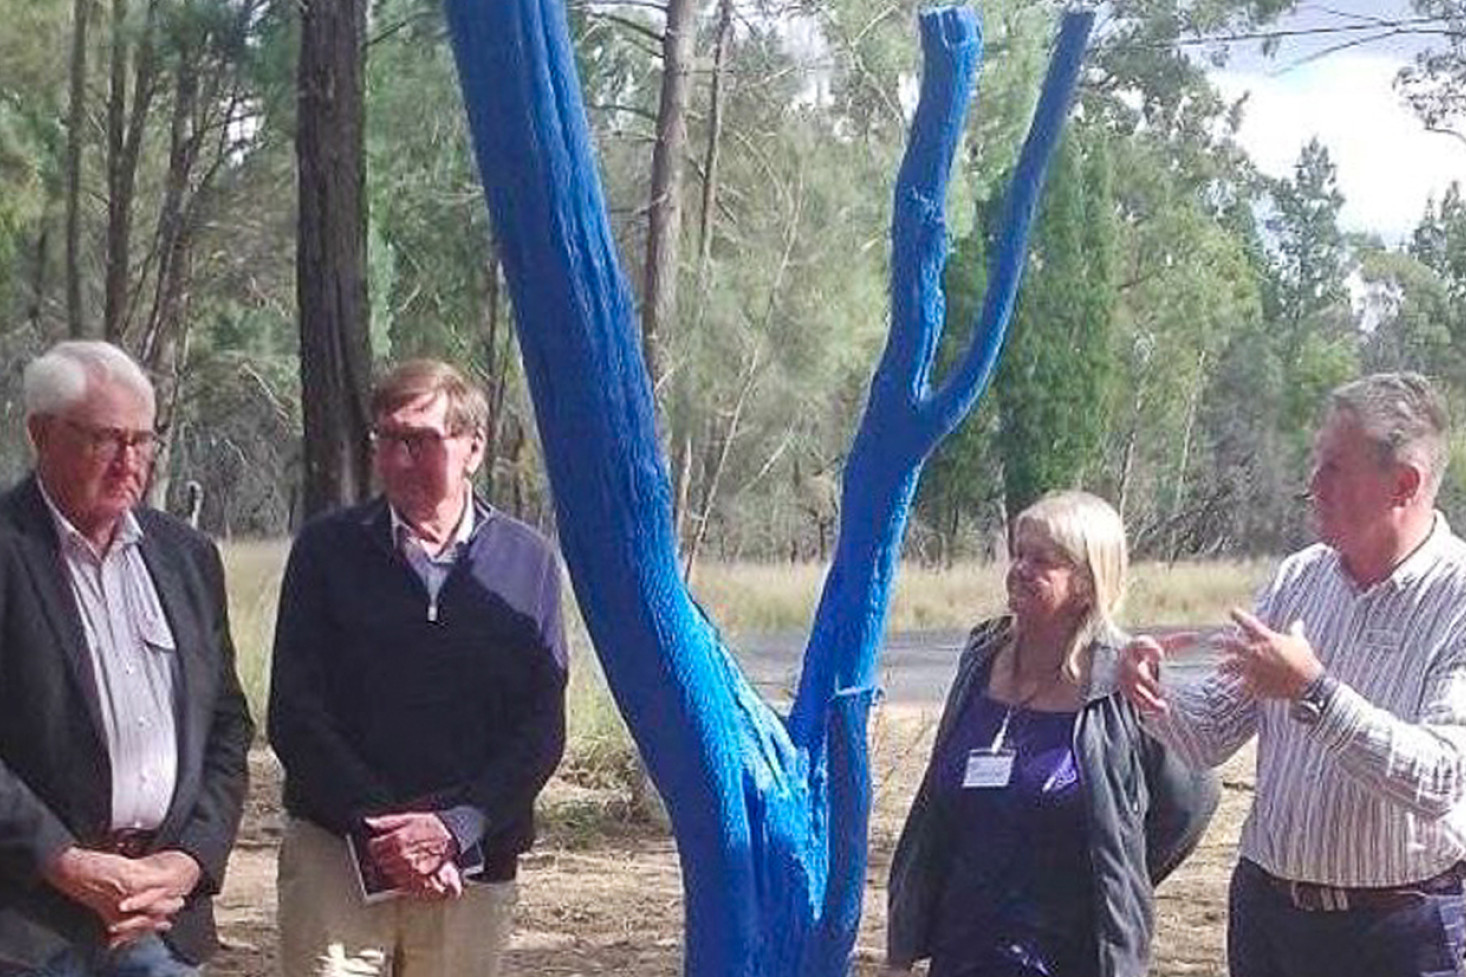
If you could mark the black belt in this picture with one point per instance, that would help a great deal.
(1315, 898)
(128, 842)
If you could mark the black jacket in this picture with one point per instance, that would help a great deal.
(1144, 810)
(55, 777)
(379, 704)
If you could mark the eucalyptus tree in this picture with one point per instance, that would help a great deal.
(1439, 241)
(331, 272)
(1179, 233)
(770, 812)
(32, 150)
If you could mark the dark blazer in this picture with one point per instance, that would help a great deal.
(55, 777)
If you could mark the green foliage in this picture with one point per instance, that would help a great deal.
(31, 140)
(1308, 273)
(1435, 85)
(1306, 295)
(429, 238)
(1181, 320)
(963, 480)
(1439, 242)
(1054, 378)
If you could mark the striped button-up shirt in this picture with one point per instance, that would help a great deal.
(132, 653)
(1371, 795)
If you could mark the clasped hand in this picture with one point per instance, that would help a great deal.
(416, 852)
(1269, 664)
(132, 896)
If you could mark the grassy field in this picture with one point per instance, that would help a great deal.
(752, 597)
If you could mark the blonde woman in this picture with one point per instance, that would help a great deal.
(1046, 814)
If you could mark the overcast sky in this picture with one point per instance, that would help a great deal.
(1388, 164)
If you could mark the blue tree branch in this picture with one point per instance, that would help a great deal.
(770, 818)
(880, 476)
(951, 41)
(956, 397)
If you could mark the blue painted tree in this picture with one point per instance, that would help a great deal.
(770, 812)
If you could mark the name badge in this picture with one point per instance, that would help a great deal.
(988, 769)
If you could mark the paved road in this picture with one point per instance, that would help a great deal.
(915, 666)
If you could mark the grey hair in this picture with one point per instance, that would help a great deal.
(59, 377)
(1403, 416)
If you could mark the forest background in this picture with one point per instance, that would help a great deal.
(1181, 318)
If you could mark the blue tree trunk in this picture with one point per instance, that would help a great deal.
(770, 815)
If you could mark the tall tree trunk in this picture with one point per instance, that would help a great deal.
(165, 369)
(679, 418)
(335, 345)
(718, 463)
(75, 137)
(1193, 403)
(496, 369)
(37, 304)
(163, 335)
(173, 235)
(1127, 454)
(119, 203)
(125, 129)
(659, 295)
(770, 812)
(713, 151)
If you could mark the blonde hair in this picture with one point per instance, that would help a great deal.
(1090, 533)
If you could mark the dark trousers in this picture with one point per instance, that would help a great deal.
(1267, 936)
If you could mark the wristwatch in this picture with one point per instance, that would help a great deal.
(1313, 700)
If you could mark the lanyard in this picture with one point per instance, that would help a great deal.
(1013, 707)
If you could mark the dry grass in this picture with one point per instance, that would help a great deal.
(753, 597)
(746, 598)
(1193, 592)
(603, 788)
(253, 571)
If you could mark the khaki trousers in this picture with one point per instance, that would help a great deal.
(328, 930)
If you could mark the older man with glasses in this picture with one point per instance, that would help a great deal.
(417, 703)
(123, 731)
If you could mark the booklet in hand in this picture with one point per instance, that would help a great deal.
(376, 886)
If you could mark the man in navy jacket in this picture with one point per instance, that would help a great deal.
(417, 702)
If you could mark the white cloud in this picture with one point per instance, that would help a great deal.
(1388, 164)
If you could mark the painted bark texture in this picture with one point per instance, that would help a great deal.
(770, 812)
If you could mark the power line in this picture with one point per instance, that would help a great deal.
(1385, 28)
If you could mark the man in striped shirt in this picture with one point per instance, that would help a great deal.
(1352, 673)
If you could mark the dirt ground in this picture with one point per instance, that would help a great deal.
(601, 893)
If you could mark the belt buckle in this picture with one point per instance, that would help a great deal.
(129, 842)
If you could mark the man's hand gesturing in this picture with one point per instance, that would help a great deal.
(1140, 670)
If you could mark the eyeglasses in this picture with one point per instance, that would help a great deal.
(419, 442)
(107, 443)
